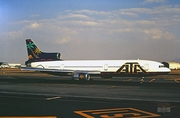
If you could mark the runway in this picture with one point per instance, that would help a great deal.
(41, 95)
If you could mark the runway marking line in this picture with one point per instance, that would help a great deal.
(127, 80)
(116, 113)
(152, 80)
(52, 98)
(176, 80)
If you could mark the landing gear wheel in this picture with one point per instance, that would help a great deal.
(88, 78)
(141, 80)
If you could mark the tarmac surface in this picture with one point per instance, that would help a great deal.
(32, 94)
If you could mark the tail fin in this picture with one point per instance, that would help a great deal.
(32, 49)
(34, 53)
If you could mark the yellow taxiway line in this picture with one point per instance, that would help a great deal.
(176, 80)
(118, 112)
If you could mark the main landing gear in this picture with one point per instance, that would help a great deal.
(141, 79)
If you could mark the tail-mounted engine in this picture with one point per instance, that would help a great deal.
(43, 56)
(50, 56)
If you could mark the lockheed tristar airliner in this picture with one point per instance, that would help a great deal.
(85, 69)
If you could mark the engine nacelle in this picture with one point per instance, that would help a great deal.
(52, 56)
(43, 56)
(81, 76)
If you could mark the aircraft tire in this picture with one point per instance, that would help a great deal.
(88, 78)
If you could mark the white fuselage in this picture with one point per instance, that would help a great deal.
(99, 65)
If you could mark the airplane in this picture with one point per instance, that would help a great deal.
(85, 69)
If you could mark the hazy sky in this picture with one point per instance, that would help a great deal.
(91, 29)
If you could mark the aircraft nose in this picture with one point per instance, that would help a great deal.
(168, 70)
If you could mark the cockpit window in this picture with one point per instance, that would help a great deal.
(161, 66)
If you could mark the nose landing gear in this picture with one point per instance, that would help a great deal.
(141, 79)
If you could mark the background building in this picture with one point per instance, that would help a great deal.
(172, 65)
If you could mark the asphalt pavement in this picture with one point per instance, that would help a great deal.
(45, 96)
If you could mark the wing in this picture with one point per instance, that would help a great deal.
(60, 72)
